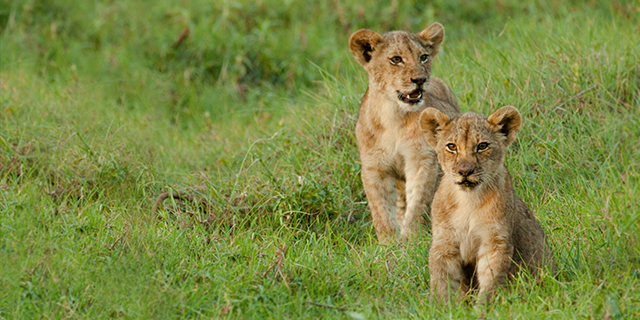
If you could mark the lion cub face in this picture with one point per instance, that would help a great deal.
(471, 147)
(398, 62)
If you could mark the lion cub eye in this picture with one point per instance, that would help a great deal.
(452, 147)
(483, 146)
(396, 60)
(424, 58)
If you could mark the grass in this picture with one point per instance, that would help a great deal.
(101, 110)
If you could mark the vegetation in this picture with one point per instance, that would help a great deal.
(249, 108)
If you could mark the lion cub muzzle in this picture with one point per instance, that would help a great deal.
(467, 178)
(466, 171)
(415, 96)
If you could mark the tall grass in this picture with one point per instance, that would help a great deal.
(102, 108)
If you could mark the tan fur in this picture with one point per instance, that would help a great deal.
(399, 169)
(482, 231)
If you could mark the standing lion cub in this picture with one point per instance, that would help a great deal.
(399, 169)
(482, 232)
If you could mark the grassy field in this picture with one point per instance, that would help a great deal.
(103, 106)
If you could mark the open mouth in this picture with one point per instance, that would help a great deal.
(466, 184)
(412, 97)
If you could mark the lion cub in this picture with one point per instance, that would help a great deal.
(482, 232)
(399, 169)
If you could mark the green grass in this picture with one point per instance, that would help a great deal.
(254, 112)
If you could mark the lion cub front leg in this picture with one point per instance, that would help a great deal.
(380, 189)
(445, 271)
(421, 179)
(401, 202)
(494, 260)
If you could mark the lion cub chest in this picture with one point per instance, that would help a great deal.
(472, 222)
(393, 146)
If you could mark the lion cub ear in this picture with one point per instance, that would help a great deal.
(431, 121)
(506, 120)
(362, 43)
(432, 36)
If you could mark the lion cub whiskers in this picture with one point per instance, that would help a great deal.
(482, 232)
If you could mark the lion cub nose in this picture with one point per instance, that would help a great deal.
(466, 169)
(419, 81)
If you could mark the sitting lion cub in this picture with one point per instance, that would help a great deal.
(399, 169)
(482, 232)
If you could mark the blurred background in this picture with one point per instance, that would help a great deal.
(189, 57)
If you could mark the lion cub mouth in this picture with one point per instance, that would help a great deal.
(467, 185)
(412, 97)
